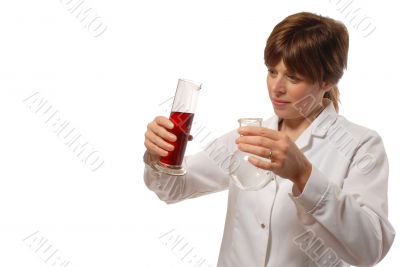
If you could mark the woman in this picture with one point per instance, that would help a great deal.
(328, 203)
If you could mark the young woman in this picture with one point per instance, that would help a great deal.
(328, 203)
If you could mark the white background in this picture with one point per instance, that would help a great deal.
(111, 86)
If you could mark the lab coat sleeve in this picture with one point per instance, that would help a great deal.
(352, 219)
(207, 172)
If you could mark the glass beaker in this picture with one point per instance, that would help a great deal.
(245, 175)
(182, 114)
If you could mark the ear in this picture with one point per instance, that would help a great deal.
(327, 86)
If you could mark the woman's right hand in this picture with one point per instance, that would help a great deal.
(157, 137)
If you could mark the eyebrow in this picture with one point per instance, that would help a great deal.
(274, 68)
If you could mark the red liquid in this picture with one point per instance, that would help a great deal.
(182, 124)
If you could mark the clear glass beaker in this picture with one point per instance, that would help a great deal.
(182, 114)
(245, 175)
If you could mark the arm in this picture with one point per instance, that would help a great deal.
(352, 220)
(207, 172)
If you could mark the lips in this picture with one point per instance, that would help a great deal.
(278, 103)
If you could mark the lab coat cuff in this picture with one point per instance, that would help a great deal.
(151, 175)
(314, 193)
(158, 181)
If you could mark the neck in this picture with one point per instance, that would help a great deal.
(294, 127)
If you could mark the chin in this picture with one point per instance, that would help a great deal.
(280, 114)
(285, 114)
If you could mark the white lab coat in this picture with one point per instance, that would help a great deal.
(339, 219)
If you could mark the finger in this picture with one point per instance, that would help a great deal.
(259, 131)
(257, 141)
(155, 139)
(154, 149)
(255, 150)
(164, 121)
(161, 132)
(263, 164)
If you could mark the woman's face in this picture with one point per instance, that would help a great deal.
(292, 97)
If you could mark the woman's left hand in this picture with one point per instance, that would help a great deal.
(285, 158)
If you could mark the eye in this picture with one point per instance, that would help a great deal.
(272, 72)
(293, 78)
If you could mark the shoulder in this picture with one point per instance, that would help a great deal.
(367, 153)
(358, 132)
(353, 138)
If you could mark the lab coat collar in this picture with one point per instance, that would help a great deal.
(324, 121)
(318, 128)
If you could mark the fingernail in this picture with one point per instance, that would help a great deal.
(170, 125)
(173, 137)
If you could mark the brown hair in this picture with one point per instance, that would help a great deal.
(312, 46)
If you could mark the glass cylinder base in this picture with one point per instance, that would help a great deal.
(169, 169)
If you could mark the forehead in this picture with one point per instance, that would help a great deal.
(280, 66)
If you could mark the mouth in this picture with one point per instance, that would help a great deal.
(279, 103)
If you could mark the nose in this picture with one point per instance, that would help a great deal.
(278, 85)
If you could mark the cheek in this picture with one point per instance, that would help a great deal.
(269, 85)
(298, 92)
